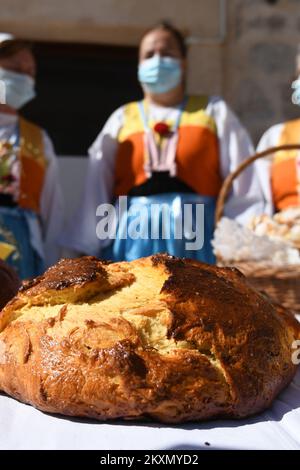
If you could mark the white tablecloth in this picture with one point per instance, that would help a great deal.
(23, 427)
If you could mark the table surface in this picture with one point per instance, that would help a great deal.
(23, 427)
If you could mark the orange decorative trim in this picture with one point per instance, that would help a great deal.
(197, 156)
(284, 175)
(33, 165)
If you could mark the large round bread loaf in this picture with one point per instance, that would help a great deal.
(160, 337)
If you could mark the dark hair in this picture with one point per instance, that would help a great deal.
(11, 47)
(167, 26)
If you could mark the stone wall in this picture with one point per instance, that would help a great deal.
(252, 68)
(259, 61)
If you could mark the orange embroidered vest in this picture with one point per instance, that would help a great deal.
(284, 173)
(33, 165)
(197, 156)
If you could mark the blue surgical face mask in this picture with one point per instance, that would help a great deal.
(296, 92)
(160, 74)
(19, 88)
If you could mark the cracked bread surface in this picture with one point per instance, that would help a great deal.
(160, 337)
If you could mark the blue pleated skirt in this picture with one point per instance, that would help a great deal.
(14, 230)
(179, 224)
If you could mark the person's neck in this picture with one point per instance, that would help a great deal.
(6, 109)
(172, 98)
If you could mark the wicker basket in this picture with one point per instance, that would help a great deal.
(280, 283)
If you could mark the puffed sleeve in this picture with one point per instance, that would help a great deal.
(80, 235)
(247, 197)
(52, 207)
(269, 139)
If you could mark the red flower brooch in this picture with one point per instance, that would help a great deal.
(162, 129)
(8, 178)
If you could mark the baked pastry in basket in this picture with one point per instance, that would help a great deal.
(9, 283)
(160, 337)
(283, 226)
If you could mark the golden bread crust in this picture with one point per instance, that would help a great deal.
(160, 337)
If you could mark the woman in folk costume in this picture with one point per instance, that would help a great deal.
(280, 174)
(30, 197)
(168, 150)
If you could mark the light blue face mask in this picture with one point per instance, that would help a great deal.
(160, 74)
(18, 88)
(296, 92)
